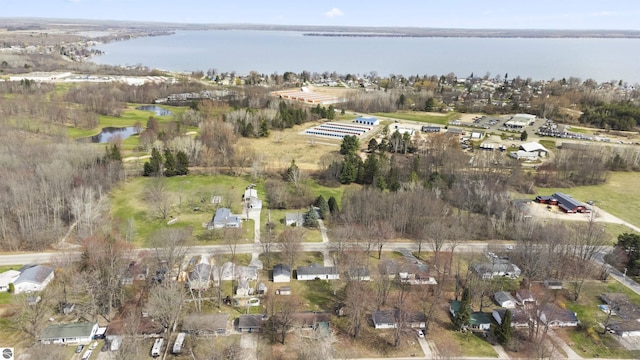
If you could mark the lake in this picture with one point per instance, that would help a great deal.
(270, 52)
(155, 109)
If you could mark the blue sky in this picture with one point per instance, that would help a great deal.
(499, 14)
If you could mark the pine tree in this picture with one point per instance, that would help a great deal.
(153, 167)
(169, 163)
(311, 218)
(503, 331)
(182, 163)
(323, 207)
(524, 136)
(463, 316)
(263, 130)
(333, 205)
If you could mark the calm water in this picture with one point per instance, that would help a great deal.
(155, 109)
(279, 51)
(110, 133)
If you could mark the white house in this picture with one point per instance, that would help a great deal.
(34, 278)
(519, 317)
(317, 271)
(75, 333)
(281, 273)
(625, 328)
(505, 299)
(294, 219)
(496, 268)
(224, 219)
(251, 199)
(7, 278)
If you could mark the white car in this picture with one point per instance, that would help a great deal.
(420, 334)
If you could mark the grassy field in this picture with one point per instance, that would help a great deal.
(588, 340)
(420, 116)
(549, 144)
(190, 197)
(619, 196)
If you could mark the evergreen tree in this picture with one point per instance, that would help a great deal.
(524, 136)
(263, 130)
(113, 153)
(154, 166)
(350, 145)
(373, 145)
(311, 218)
(463, 316)
(169, 163)
(333, 205)
(182, 163)
(323, 207)
(430, 104)
(503, 331)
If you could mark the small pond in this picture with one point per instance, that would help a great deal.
(109, 133)
(156, 109)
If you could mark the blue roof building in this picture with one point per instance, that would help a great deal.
(367, 121)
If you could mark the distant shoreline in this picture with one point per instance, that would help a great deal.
(40, 24)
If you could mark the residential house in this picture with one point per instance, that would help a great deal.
(504, 299)
(625, 328)
(416, 274)
(251, 199)
(200, 278)
(242, 288)
(390, 319)
(7, 278)
(454, 307)
(309, 320)
(389, 268)
(622, 306)
(526, 298)
(135, 272)
(230, 271)
(251, 323)
(33, 278)
(565, 203)
(224, 219)
(294, 219)
(205, 325)
(360, 273)
(281, 273)
(480, 321)
(65, 334)
(498, 267)
(555, 316)
(552, 284)
(519, 317)
(317, 271)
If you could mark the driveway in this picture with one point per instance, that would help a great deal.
(249, 346)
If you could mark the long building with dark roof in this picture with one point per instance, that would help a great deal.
(565, 202)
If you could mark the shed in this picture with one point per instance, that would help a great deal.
(505, 299)
(367, 121)
(33, 278)
(283, 290)
(281, 273)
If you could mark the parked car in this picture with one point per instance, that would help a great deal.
(79, 349)
(420, 334)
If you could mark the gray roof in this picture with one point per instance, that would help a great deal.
(201, 323)
(250, 321)
(36, 274)
(566, 201)
(358, 272)
(297, 217)
(223, 216)
(518, 316)
(554, 312)
(58, 331)
(317, 269)
(502, 296)
(282, 270)
(201, 271)
(390, 316)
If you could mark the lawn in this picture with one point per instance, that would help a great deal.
(588, 340)
(420, 116)
(190, 197)
(619, 196)
(549, 144)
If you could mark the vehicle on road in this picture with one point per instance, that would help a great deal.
(87, 355)
(79, 349)
(420, 334)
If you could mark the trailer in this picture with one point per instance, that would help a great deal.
(177, 346)
(157, 347)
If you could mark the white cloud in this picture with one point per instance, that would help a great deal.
(334, 12)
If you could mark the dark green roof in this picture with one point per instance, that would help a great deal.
(478, 318)
(59, 331)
